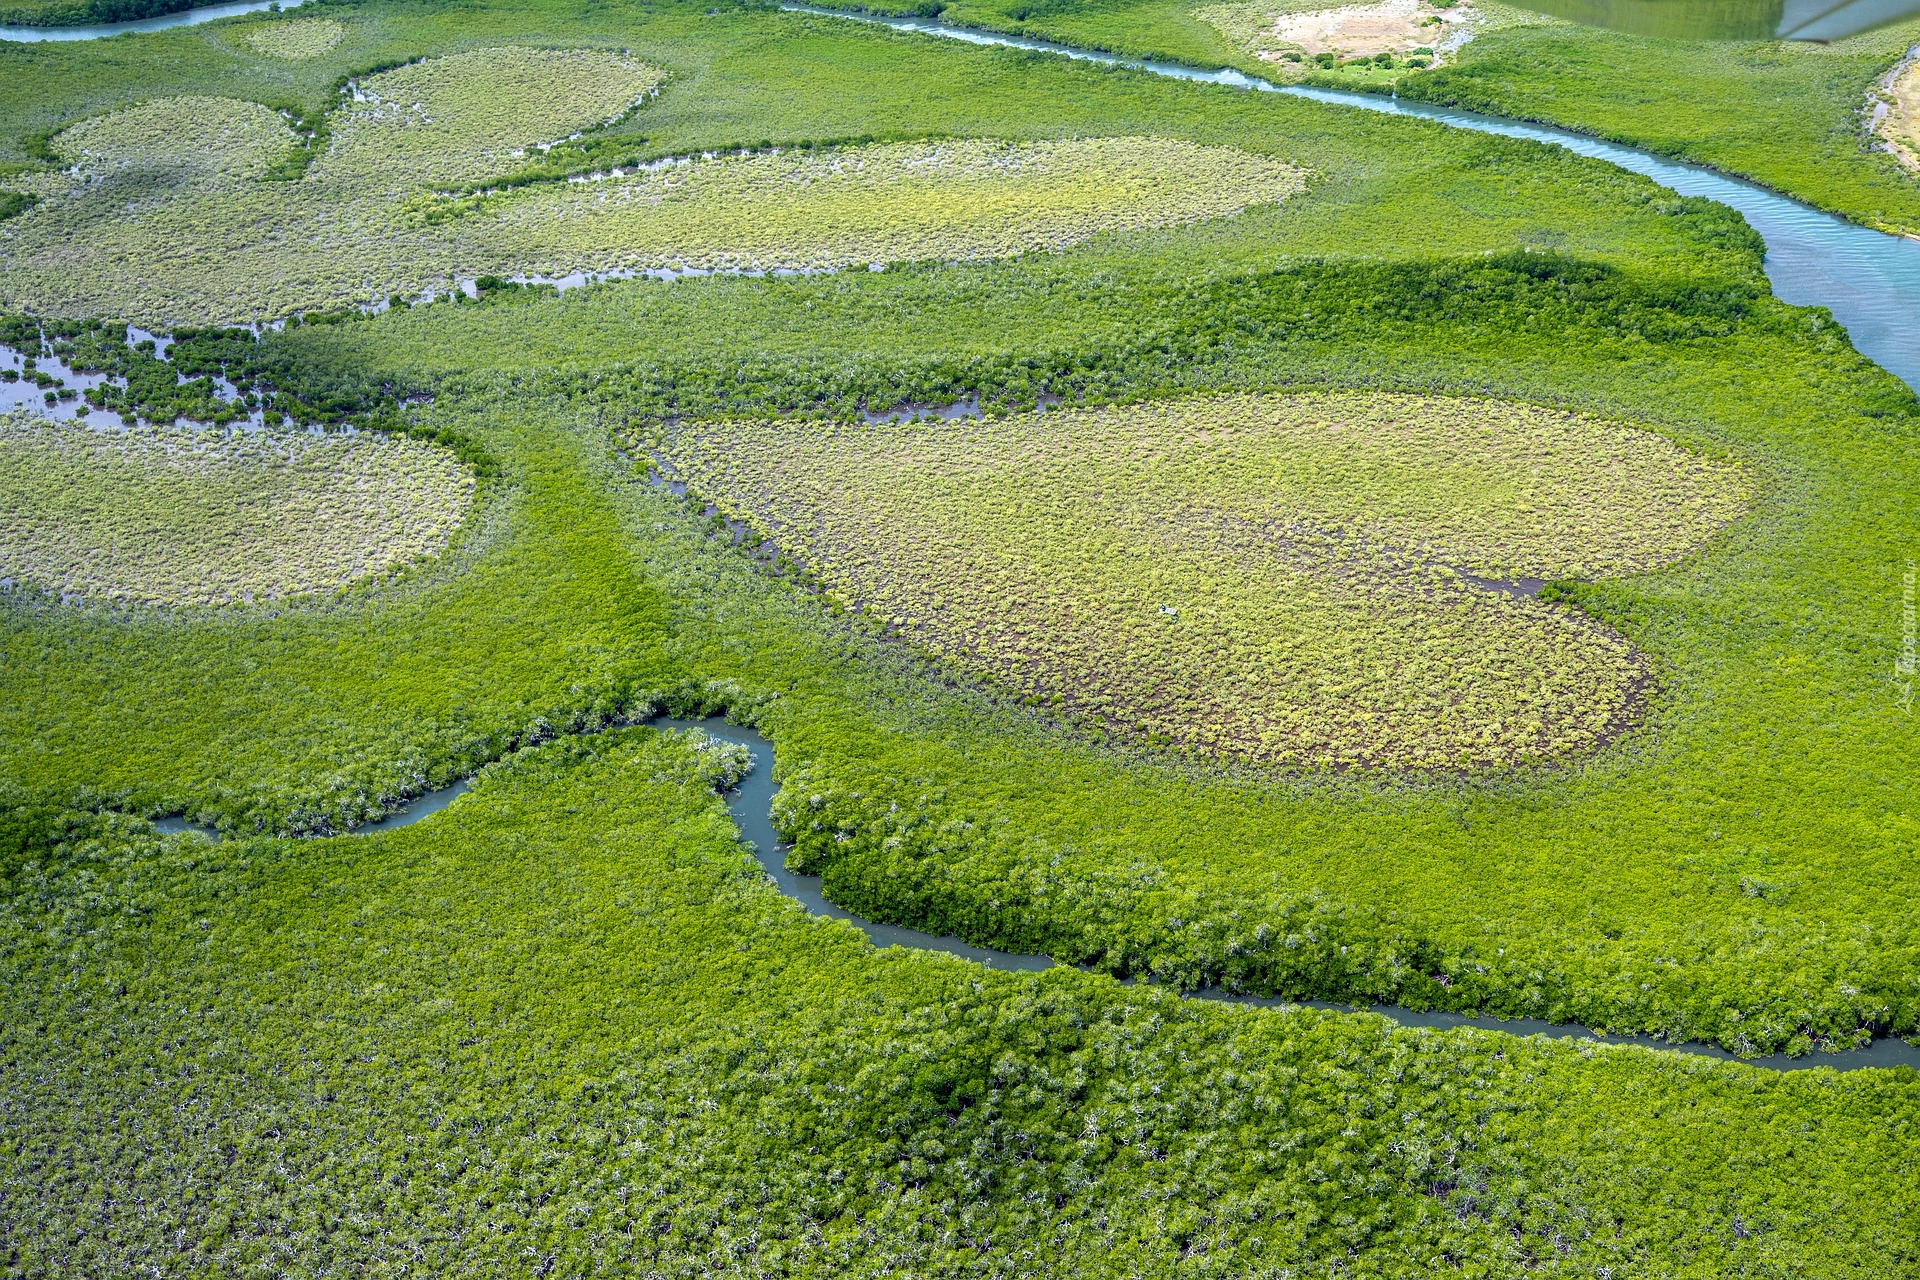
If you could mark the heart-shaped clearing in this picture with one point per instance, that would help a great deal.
(1309, 580)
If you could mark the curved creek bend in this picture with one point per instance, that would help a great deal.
(750, 805)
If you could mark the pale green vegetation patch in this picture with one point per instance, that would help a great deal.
(167, 517)
(199, 144)
(151, 226)
(964, 200)
(1900, 126)
(1276, 579)
(295, 38)
(472, 116)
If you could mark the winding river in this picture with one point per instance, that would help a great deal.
(750, 804)
(1868, 279)
(1870, 282)
(184, 18)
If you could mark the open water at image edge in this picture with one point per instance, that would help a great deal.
(100, 31)
(1868, 279)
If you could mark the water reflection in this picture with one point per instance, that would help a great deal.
(1818, 20)
(185, 18)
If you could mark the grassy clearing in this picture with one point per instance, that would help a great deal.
(951, 201)
(471, 117)
(569, 1008)
(160, 517)
(193, 142)
(294, 38)
(1270, 580)
(344, 239)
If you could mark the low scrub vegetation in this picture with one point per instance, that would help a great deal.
(1266, 388)
(294, 38)
(1306, 581)
(570, 1008)
(145, 516)
(1792, 116)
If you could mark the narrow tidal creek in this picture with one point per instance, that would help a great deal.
(751, 806)
(751, 803)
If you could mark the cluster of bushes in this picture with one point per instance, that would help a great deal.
(68, 13)
(264, 375)
(567, 1029)
(1198, 338)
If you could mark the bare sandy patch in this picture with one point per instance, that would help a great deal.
(1363, 30)
(1274, 31)
(1899, 116)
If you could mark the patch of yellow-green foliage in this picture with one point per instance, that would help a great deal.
(295, 38)
(150, 516)
(1900, 127)
(161, 218)
(473, 116)
(966, 200)
(1274, 579)
(170, 144)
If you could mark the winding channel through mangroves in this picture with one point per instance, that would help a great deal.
(750, 803)
(1868, 280)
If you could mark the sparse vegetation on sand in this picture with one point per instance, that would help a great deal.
(1321, 581)
(1899, 124)
(1307, 33)
(153, 516)
(295, 38)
